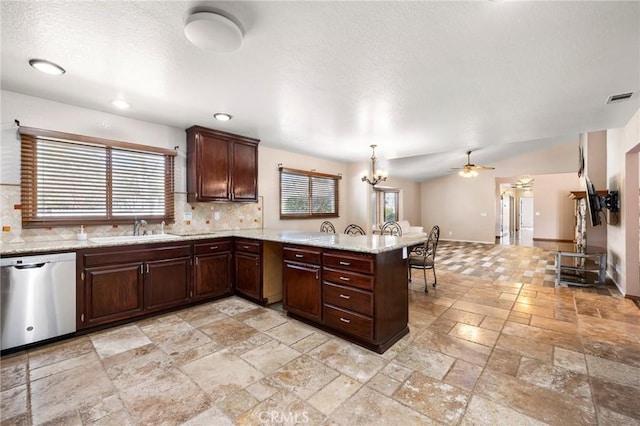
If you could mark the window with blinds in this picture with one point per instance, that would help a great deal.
(307, 194)
(71, 180)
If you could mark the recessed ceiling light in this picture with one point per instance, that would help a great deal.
(46, 66)
(221, 116)
(120, 104)
(213, 32)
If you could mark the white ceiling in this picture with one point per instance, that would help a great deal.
(424, 80)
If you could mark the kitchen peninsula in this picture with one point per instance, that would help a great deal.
(352, 286)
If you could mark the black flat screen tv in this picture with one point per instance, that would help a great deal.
(593, 202)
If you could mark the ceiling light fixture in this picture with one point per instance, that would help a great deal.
(120, 104)
(221, 116)
(46, 67)
(213, 32)
(377, 175)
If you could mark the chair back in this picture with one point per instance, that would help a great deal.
(391, 228)
(327, 226)
(354, 229)
(432, 242)
(428, 249)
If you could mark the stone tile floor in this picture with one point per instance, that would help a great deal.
(494, 343)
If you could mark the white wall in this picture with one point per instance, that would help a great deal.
(464, 208)
(623, 146)
(269, 188)
(554, 211)
(50, 115)
(595, 151)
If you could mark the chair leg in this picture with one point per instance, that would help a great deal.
(426, 286)
(409, 269)
(435, 279)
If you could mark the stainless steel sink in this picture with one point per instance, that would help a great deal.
(133, 238)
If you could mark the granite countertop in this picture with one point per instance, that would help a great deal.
(364, 243)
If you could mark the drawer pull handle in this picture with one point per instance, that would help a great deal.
(348, 321)
(214, 248)
(345, 263)
(344, 296)
(345, 279)
(245, 247)
(299, 255)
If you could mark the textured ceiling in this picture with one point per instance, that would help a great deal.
(424, 80)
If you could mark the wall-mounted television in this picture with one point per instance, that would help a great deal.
(595, 202)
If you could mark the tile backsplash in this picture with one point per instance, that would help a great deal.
(205, 217)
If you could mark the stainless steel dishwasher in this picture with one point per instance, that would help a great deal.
(38, 298)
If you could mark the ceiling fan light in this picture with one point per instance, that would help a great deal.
(468, 173)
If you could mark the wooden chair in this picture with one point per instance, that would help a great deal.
(391, 228)
(354, 229)
(328, 227)
(424, 256)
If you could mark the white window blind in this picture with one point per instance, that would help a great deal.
(81, 181)
(307, 194)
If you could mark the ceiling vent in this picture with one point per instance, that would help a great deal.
(619, 98)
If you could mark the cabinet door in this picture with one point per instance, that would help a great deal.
(113, 293)
(213, 168)
(249, 274)
(212, 275)
(167, 283)
(302, 290)
(245, 172)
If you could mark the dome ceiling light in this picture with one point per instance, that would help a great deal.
(46, 67)
(213, 32)
(221, 116)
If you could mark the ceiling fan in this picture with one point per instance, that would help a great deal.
(469, 169)
(525, 182)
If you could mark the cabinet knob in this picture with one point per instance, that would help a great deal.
(345, 320)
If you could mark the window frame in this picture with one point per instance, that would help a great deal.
(380, 202)
(309, 175)
(29, 180)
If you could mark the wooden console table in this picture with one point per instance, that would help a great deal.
(584, 266)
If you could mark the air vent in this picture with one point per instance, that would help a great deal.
(619, 98)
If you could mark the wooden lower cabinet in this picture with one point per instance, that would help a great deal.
(258, 270)
(361, 297)
(213, 267)
(117, 284)
(249, 275)
(112, 293)
(167, 283)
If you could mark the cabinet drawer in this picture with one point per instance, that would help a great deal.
(248, 246)
(348, 298)
(340, 260)
(343, 277)
(214, 246)
(348, 322)
(303, 255)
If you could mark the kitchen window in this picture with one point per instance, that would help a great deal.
(70, 180)
(306, 194)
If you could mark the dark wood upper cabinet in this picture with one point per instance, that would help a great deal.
(221, 166)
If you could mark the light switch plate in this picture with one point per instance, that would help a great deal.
(188, 216)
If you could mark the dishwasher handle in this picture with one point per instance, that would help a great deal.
(31, 266)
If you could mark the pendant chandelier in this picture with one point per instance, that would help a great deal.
(377, 175)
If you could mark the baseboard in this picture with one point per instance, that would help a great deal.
(634, 299)
(553, 240)
(468, 241)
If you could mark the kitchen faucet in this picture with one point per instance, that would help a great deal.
(136, 226)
